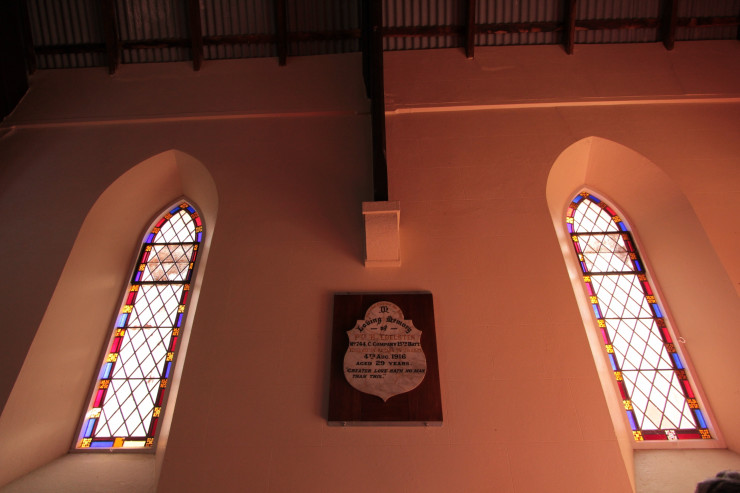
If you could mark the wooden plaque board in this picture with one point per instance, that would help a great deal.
(349, 406)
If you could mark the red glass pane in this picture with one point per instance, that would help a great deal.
(99, 397)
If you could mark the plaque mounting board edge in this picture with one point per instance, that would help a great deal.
(349, 406)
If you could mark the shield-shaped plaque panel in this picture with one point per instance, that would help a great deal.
(384, 356)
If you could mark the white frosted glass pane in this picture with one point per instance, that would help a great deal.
(142, 353)
(128, 407)
(589, 217)
(168, 263)
(156, 305)
(179, 229)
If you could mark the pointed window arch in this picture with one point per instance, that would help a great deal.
(131, 386)
(652, 378)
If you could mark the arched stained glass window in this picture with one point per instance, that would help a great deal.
(652, 379)
(126, 404)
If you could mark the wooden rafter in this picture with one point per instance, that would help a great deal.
(281, 31)
(668, 20)
(27, 38)
(196, 33)
(112, 43)
(470, 29)
(569, 20)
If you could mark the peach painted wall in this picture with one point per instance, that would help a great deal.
(289, 153)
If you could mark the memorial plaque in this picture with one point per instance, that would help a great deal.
(384, 360)
(384, 356)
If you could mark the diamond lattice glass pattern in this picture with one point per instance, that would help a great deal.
(128, 398)
(179, 229)
(656, 392)
(168, 263)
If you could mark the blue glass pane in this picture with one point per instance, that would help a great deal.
(613, 361)
(89, 428)
(700, 417)
(597, 311)
(106, 444)
(631, 416)
(677, 360)
(106, 371)
(656, 310)
(122, 320)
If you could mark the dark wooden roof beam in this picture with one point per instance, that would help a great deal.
(112, 41)
(196, 33)
(569, 24)
(668, 19)
(281, 31)
(27, 38)
(470, 29)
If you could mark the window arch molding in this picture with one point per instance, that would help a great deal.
(700, 296)
(95, 273)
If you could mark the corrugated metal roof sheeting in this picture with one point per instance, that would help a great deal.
(66, 22)
(141, 20)
(618, 9)
(506, 11)
(237, 17)
(341, 16)
(707, 8)
(421, 13)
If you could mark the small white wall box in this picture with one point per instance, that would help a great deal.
(382, 233)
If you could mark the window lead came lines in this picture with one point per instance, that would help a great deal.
(127, 401)
(652, 380)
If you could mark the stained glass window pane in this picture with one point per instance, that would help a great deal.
(652, 380)
(127, 401)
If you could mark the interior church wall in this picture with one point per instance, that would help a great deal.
(471, 145)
